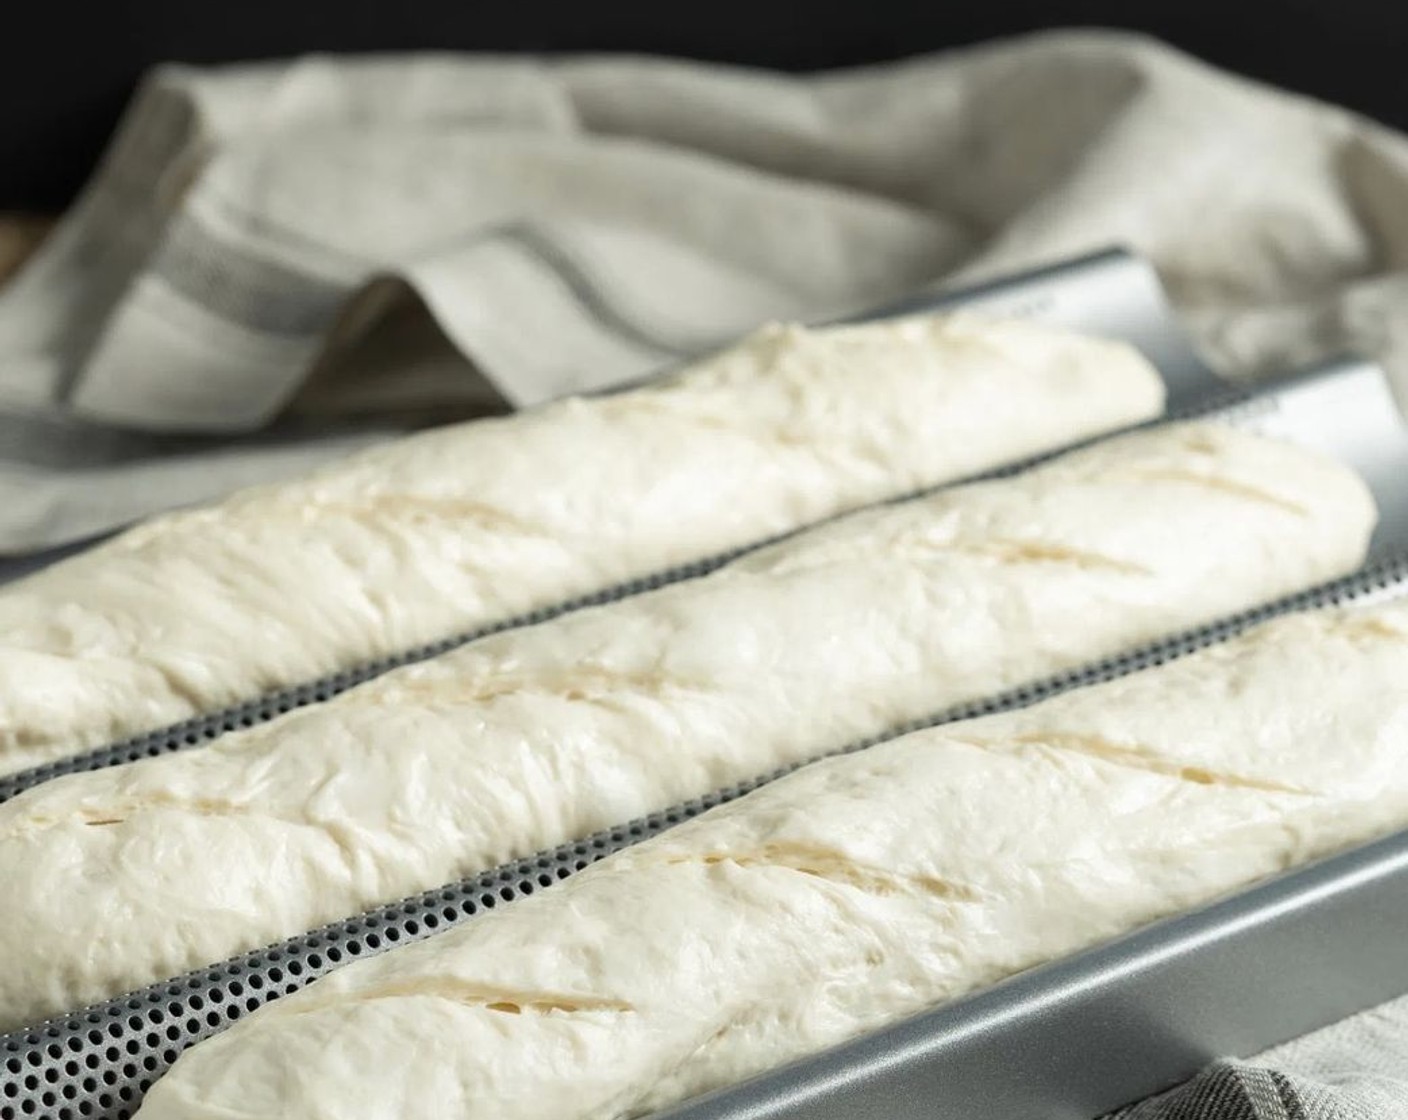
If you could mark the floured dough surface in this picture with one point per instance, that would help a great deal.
(444, 532)
(537, 736)
(849, 895)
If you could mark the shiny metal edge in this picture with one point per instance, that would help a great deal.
(1345, 409)
(1110, 293)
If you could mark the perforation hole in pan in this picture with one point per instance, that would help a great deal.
(204, 729)
(99, 1063)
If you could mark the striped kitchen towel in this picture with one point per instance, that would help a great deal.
(1354, 1070)
(276, 263)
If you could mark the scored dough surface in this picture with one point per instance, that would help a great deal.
(121, 877)
(849, 895)
(450, 530)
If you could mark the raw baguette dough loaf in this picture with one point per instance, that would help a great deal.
(447, 531)
(849, 895)
(122, 877)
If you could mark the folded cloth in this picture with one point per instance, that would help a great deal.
(327, 249)
(1354, 1070)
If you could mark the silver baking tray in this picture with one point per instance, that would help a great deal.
(1111, 293)
(1070, 1039)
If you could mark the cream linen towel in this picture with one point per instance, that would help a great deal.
(326, 249)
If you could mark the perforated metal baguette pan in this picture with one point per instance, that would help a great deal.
(1084, 1035)
(1111, 293)
(98, 1061)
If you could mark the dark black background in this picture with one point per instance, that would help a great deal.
(65, 70)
